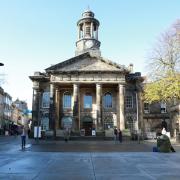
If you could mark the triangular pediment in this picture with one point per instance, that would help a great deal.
(86, 62)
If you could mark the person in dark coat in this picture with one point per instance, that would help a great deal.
(115, 134)
(120, 135)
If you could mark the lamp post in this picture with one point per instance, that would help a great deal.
(1, 121)
(137, 117)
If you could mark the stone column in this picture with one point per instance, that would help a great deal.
(78, 33)
(84, 30)
(139, 108)
(92, 35)
(121, 107)
(52, 109)
(98, 105)
(35, 106)
(97, 32)
(76, 105)
(57, 101)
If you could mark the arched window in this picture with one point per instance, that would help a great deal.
(88, 101)
(108, 100)
(67, 100)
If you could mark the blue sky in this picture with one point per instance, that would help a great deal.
(35, 34)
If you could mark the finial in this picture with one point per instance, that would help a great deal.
(88, 8)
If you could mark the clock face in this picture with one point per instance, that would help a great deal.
(89, 44)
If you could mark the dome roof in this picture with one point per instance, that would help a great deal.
(87, 13)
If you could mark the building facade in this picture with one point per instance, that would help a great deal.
(87, 92)
(20, 112)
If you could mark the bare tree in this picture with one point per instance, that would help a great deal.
(164, 67)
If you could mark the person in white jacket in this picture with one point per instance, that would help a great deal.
(23, 138)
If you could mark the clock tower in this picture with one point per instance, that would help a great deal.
(88, 34)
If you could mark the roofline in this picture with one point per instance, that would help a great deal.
(87, 54)
(88, 71)
(68, 60)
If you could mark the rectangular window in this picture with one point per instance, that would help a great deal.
(87, 101)
(45, 100)
(88, 30)
(108, 100)
(67, 100)
(129, 102)
(163, 107)
(146, 108)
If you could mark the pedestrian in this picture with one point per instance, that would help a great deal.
(29, 132)
(120, 135)
(115, 134)
(66, 134)
(23, 138)
(164, 144)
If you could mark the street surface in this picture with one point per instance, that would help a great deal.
(96, 160)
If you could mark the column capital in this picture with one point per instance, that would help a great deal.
(98, 84)
(75, 84)
(121, 85)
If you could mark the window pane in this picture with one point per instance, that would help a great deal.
(129, 102)
(45, 100)
(87, 101)
(108, 100)
(67, 100)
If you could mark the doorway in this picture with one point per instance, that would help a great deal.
(87, 125)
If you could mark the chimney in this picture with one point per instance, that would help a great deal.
(130, 68)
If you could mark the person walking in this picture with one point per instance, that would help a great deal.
(115, 135)
(23, 138)
(66, 134)
(120, 135)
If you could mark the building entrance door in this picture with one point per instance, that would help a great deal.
(87, 125)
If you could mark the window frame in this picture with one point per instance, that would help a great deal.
(105, 103)
(84, 103)
(127, 102)
(45, 103)
(67, 93)
(146, 108)
(163, 107)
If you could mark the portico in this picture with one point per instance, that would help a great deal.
(87, 100)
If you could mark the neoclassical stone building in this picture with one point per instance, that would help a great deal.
(87, 92)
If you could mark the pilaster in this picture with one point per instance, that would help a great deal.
(98, 105)
(52, 108)
(121, 123)
(76, 105)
